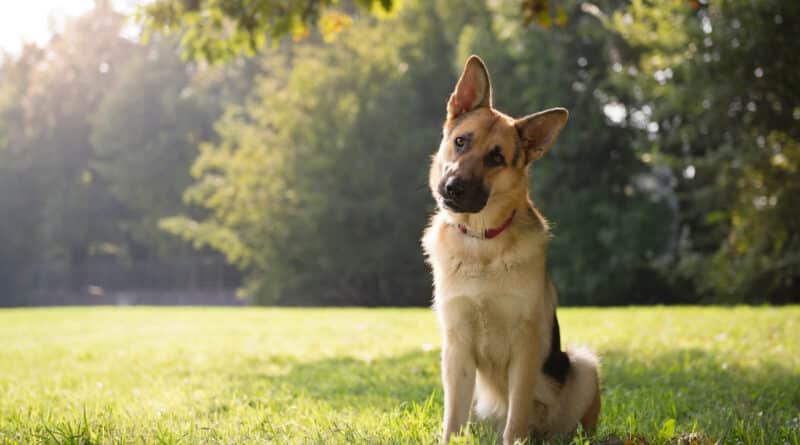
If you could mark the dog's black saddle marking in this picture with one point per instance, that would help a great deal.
(557, 363)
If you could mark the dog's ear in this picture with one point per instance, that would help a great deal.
(538, 131)
(473, 90)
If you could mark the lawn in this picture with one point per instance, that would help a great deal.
(252, 375)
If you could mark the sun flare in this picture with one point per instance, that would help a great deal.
(35, 21)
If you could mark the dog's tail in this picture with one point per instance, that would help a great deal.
(579, 397)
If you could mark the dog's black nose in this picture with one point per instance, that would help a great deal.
(454, 187)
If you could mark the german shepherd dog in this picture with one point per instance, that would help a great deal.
(495, 303)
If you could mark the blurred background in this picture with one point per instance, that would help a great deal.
(272, 152)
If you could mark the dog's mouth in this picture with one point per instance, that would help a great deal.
(464, 206)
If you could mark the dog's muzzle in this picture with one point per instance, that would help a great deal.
(463, 195)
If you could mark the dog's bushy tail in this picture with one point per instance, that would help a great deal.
(579, 397)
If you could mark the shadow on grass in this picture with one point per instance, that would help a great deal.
(346, 383)
(702, 392)
(699, 390)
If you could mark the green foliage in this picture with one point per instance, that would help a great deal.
(143, 143)
(220, 30)
(357, 376)
(18, 234)
(718, 105)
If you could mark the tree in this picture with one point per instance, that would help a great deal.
(21, 192)
(718, 105)
(145, 135)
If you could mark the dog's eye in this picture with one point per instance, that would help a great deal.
(494, 158)
(462, 143)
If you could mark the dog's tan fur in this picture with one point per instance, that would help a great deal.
(493, 297)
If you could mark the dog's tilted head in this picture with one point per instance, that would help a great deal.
(484, 155)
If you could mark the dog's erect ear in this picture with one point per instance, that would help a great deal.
(538, 131)
(473, 90)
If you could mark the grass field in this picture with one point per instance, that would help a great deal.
(250, 375)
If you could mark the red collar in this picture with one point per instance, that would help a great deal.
(490, 233)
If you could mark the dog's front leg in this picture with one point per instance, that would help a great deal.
(458, 376)
(521, 380)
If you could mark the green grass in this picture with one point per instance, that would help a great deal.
(250, 375)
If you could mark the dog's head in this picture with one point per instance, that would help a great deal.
(484, 155)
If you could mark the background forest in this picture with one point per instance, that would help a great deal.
(296, 170)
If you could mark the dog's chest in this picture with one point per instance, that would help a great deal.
(486, 324)
(484, 306)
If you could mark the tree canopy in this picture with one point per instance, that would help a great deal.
(218, 30)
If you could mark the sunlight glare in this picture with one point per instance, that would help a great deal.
(35, 20)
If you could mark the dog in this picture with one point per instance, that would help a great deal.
(495, 303)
